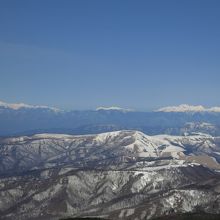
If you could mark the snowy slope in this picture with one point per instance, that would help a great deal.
(111, 194)
(116, 175)
(102, 150)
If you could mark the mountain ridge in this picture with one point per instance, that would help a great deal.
(44, 150)
(188, 108)
(121, 175)
(17, 106)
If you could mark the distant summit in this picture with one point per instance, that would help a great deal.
(188, 108)
(17, 106)
(114, 108)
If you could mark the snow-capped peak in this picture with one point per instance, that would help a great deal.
(188, 108)
(214, 109)
(17, 106)
(113, 108)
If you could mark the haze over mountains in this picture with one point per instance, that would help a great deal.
(23, 119)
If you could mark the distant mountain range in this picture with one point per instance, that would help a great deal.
(23, 119)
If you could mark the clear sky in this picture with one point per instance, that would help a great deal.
(81, 54)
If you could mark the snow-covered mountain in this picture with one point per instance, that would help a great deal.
(18, 106)
(188, 108)
(113, 108)
(48, 150)
(114, 175)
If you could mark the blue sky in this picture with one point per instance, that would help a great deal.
(82, 54)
